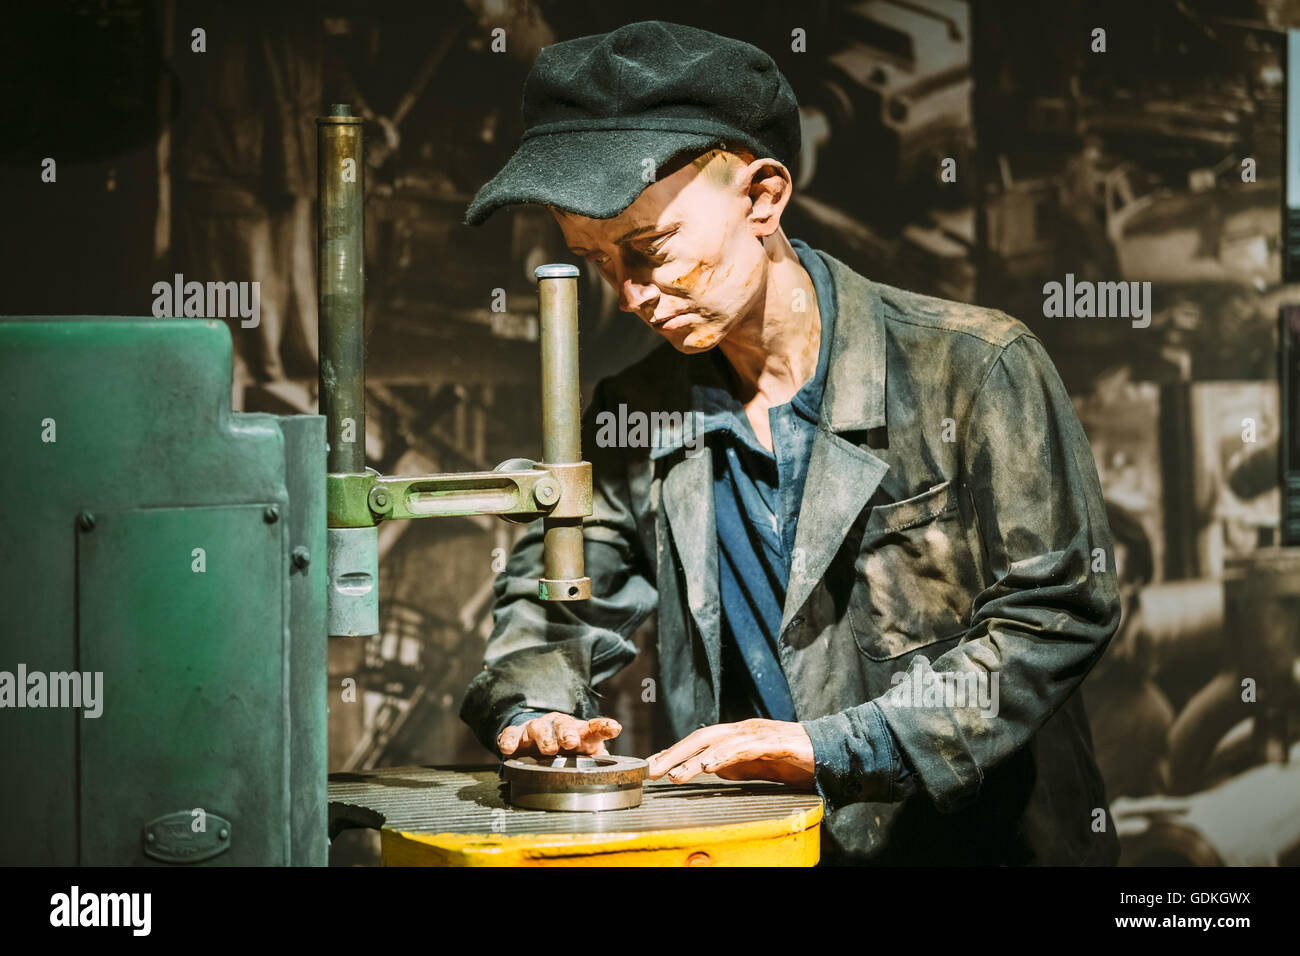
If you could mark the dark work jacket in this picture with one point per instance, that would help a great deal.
(952, 522)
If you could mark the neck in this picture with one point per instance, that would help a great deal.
(773, 350)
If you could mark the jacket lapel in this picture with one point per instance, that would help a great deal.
(686, 499)
(688, 505)
(841, 480)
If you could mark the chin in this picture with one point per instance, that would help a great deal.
(695, 340)
(681, 346)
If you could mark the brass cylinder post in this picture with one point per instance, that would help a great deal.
(564, 571)
(353, 553)
(341, 250)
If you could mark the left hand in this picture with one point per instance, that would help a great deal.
(754, 749)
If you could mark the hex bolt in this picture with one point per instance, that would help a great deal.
(546, 493)
(271, 515)
(86, 521)
(379, 500)
(301, 557)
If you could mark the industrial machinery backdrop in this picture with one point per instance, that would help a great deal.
(177, 157)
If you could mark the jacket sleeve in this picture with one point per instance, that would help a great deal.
(1052, 601)
(855, 758)
(548, 656)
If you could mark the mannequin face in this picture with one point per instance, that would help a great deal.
(687, 256)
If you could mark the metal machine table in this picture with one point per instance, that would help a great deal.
(458, 816)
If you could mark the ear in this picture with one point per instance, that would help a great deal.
(767, 183)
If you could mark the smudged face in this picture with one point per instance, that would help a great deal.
(687, 256)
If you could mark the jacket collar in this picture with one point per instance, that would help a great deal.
(854, 399)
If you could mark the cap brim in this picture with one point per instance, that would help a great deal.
(594, 173)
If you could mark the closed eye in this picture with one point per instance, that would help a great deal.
(656, 247)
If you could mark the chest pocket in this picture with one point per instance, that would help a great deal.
(916, 577)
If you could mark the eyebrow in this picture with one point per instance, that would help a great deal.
(633, 234)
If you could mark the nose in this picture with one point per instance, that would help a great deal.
(633, 296)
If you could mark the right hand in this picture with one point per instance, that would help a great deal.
(556, 734)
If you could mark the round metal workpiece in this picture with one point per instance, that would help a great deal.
(582, 783)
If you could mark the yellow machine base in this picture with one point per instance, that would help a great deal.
(430, 816)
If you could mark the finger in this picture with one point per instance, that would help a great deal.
(671, 758)
(730, 752)
(571, 732)
(736, 745)
(543, 729)
(527, 746)
(685, 748)
(691, 767)
(601, 728)
(689, 745)
(508, 741)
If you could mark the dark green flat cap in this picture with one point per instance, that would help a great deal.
(597, 108)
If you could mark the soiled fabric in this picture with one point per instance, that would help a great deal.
(956, 584)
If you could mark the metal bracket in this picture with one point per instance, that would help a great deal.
(519, 493)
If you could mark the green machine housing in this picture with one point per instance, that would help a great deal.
(197, 558)
(153, 535)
